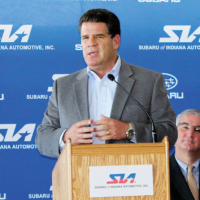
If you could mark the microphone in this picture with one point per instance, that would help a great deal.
(154, 134)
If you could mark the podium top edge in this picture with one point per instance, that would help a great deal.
(124, 145)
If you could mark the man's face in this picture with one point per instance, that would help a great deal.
(99, 49)
(188, 138)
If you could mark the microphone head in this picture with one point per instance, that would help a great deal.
(111, 77)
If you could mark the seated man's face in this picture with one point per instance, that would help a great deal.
(189, 133)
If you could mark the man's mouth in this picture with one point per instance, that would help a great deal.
(93, 53)
(188, 141)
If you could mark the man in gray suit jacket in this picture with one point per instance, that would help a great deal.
(88, 108)
(187, 153)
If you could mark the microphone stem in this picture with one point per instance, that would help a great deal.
(154, 136)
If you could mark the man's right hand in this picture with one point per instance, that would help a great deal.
(79, 133)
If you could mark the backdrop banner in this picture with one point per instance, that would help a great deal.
(39, 42)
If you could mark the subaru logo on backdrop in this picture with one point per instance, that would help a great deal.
(22, 32)
(170, 81)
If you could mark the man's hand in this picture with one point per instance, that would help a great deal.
(79, 133)
(111, 129)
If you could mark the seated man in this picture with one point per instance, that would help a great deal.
(184, 163)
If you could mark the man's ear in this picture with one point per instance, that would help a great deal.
(116, 41)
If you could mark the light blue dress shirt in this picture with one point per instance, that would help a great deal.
(184, 170)
(101, 94)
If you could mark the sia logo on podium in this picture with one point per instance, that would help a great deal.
(121, 178)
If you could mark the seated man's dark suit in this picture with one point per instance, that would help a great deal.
(179, 187)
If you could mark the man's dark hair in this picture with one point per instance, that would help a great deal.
(102, 15)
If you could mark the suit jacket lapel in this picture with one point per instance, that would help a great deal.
(81, 95)
(199, 180)
(178, 180)
(126, 80)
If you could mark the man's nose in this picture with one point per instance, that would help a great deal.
(191, 131)
(92, 41)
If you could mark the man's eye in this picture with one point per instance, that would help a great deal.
(197, 129)
(186, 127)
(99, 36)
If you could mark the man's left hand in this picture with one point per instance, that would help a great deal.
(110, 129)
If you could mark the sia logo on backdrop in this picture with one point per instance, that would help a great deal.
(179, 37)
(24, 31)
(21, 35)
(184, 38)
(25, 134)
(27, 129)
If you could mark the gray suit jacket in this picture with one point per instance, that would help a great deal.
(179, 187)
(68, 104)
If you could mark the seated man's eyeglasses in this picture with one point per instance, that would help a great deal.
(185, 126)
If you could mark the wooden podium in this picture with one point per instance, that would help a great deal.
(71, 172)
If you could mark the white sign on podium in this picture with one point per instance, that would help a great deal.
(124, 180)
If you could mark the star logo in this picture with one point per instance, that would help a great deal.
(170, 81)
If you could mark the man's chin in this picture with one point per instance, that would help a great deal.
(189, 148)
(93, 65)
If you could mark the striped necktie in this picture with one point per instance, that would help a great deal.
(192, 183)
